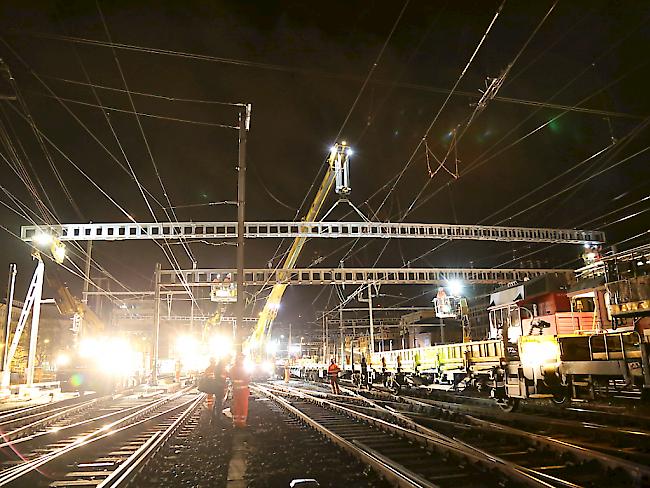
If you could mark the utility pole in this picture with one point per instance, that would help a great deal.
(36, 316)
(342, 360)
(89, 250)
(372, 324)
(156, 325)
(86, 288)
(370, 316)
(323, 347)
(11, 286)
(327, 339)
(192, 305)
(244, 125)
(289, 343)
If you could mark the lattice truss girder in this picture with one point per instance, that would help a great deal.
(382, 230)
(356, 276)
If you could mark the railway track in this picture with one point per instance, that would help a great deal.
(614, 415)
(627, 442)
(13, 419)
(107, 448)
(518, 456)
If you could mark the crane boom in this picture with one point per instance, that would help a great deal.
(336, 168)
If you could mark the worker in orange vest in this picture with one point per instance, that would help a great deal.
(333, 373)
(216, 372)
(240, 379)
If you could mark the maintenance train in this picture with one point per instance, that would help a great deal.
(548, 339)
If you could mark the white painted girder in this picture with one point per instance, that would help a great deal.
(356, 276)
(255, 230)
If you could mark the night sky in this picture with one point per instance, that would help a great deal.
(302, 65)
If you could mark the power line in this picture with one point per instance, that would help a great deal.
(144, 94)
(175, 262)
(75, 117)
(140, 114)
(442, 107)
(311, 72)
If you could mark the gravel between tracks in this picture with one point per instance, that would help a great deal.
(279, 450)
(199, 460)
(283, 450)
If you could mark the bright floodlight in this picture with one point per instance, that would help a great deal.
(62, 360)
(249, 365)
(88, 348)
(186, 345)
(43, 239)
(221, 346)
(271, 347)
(58, 252)
(455, 287)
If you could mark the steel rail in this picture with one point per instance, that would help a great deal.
(58, 430)
(53, 416)
(509, 468)
(129, 469)
(433, 440)
(131, 420)
(395, 474)
(637, 471)
(20, 413)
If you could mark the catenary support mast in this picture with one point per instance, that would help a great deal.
(244, 123)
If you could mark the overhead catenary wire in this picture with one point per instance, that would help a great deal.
(44, 149)
(171, 256)
(142, 133)
(86, 176)
(167, 98)
(140, 114)
(442, 107)
(311, 72)
(16, 163)
(76, 118)
(480, 160)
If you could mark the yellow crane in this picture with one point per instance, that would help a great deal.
(337, 174)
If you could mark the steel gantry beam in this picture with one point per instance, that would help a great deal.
(355, 276)
(254, 230)
(182, 318)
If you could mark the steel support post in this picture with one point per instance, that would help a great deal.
(86, 286)
(36, 316)
(327, 339)
(156, 326)
(372, 324)
(244, 121)
(11, 286)
(342, 360)
(324, 354)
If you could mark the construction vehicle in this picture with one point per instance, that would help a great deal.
(337, 174)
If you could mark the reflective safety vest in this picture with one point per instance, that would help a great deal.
(216, 371)
(333, 370)
(239, 377)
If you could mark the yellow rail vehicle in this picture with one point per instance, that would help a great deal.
(541, 347)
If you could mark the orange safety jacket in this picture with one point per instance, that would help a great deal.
(215, 372)
(333, 370)
(239, 377)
